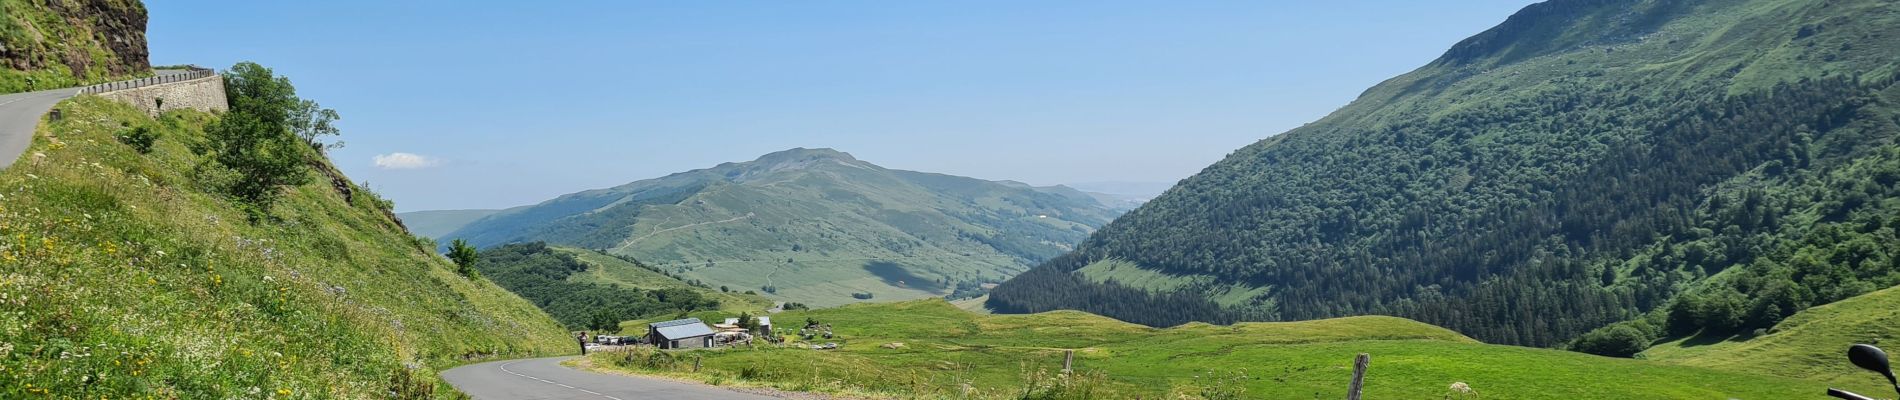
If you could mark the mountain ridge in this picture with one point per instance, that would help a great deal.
(838, 226)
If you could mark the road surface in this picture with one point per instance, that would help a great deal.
(19, 114)
(545, 378)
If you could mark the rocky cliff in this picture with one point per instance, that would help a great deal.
(62, 43)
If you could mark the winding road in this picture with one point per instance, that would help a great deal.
(546, 378)
(19, 115)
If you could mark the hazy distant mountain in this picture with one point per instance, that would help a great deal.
(1131, 190)
(814, 226)
(435, 223)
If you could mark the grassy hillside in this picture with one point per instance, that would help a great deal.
(123, 274)
(436, 223)
(1582, 163)
(814, 226)
(607, 269)
(53, 44)
(1810, 345)
(1001, 356)
(553, 280)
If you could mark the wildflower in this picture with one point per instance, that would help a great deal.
(283, 391)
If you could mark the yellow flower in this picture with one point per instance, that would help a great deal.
(283, 392)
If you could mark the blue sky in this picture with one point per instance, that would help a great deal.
(489, 104)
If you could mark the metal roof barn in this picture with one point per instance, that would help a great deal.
(684, 328)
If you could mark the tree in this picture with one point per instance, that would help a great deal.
(263, 137)
(603, 321)
(746, 321)
(311, 122)
(464, 256)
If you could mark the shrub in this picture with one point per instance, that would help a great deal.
(464, 256)
(1617, 340)
(405, 384)
(141, 138)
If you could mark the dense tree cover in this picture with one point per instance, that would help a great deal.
(539, 274)
(1533, 214)
(1522, 271)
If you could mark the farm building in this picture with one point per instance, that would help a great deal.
(680, 334)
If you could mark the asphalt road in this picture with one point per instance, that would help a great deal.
(19, 114)
(546, 379)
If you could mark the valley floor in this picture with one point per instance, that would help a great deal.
(931, 349)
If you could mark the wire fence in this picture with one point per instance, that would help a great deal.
(191, 74)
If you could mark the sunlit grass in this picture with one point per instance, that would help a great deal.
(124, 274)
(951, 353)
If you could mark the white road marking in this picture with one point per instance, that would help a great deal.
(504, 368)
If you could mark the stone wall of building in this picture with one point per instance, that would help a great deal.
(203, 94)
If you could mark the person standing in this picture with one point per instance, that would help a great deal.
(581, 339)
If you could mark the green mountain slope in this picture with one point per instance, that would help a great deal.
(1810, 345)
(951, 353)
(553, 280)
(124, 275)
(617, 270)
(1581, 163)
(435, 223)
(813, 226)
(50, 44)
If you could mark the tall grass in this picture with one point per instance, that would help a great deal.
(125, 274)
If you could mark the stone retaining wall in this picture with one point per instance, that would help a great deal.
(203, 94)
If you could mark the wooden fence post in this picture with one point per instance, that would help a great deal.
(1359, 365)
(1068, 361)
(695, 363)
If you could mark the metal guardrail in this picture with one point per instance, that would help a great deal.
(194, 73)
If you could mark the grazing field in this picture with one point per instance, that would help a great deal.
(1018, 356)
(1809, 345)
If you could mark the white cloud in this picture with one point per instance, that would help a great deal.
(400, 160)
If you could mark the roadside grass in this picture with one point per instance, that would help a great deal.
(951, 353)
(124, 274)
